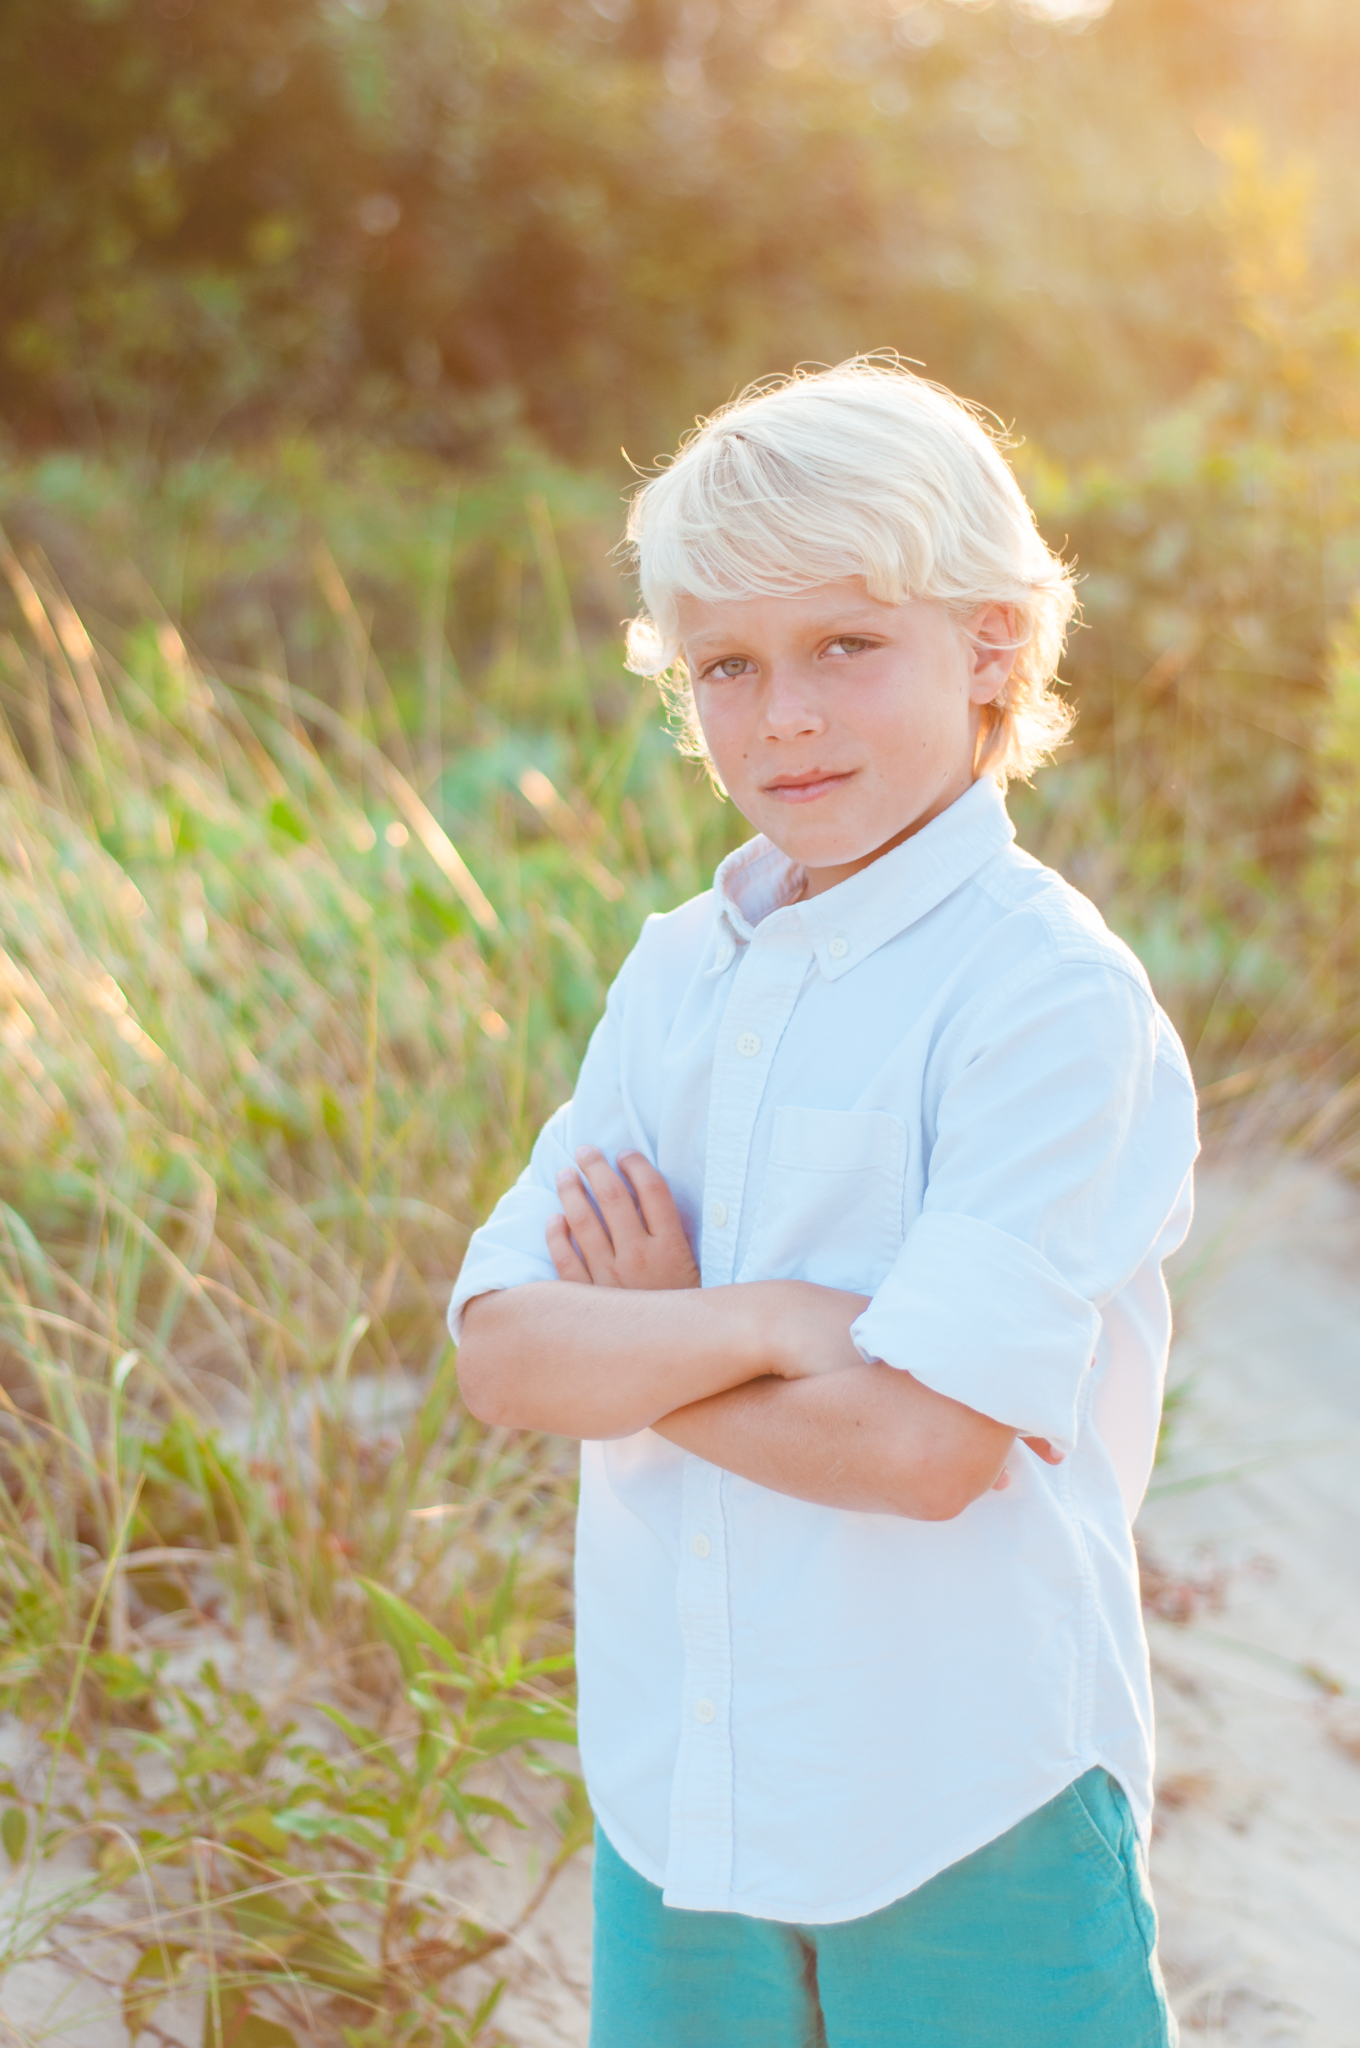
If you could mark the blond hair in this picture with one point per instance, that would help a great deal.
(864, 470)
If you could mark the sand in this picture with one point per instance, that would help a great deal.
(1252, 1544)
(1256, 1859)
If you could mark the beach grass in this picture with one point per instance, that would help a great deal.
(299, 949)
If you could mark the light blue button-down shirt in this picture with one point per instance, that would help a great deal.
(943, 1084)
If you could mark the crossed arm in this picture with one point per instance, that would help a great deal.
(760, 1378)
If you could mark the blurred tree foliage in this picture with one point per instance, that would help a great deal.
(602, 214)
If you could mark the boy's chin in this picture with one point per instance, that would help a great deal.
(829, 842)
(822, 854)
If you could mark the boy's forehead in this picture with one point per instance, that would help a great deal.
(701, 617)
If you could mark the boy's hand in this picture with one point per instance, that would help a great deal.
(641, 1241)
(1041, 1448)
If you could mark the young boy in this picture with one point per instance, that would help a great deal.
(861, 1204)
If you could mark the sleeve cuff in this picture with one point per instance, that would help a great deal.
(494, 1260)
(982, 1317)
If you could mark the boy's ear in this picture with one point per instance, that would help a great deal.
(991, 637)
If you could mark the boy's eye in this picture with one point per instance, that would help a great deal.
(731, 665)
(850, 643)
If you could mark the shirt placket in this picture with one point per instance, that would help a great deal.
(765, 988)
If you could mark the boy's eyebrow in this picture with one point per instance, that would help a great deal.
(845, 620)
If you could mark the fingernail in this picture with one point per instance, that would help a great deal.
(565, 1175)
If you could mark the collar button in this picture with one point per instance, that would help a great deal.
(838, 947)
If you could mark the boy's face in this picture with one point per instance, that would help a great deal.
(841, 725)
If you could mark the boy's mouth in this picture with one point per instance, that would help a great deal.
(806, 788)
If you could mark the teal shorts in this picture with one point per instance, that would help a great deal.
(1045, 1938)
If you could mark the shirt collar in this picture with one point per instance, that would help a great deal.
(845, 924)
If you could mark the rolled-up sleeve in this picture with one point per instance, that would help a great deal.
(1063, 1132)
(510, 1249)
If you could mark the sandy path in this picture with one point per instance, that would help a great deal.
(1257, 1856)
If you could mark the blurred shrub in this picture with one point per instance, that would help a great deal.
(600, 214)
(1217, 742)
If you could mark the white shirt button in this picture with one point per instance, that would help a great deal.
(704, 1710)
(838, 948)
(748, 1045)
(700, 1545)
(717, 1214)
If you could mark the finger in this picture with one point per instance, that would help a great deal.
(613, 1195)
(666, 1254)
(653, 1194)
(592, 1239)
(1042, 1448)
(563, 1253)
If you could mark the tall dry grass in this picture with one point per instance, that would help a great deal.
(270, 1042)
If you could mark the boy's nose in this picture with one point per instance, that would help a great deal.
(791, 707)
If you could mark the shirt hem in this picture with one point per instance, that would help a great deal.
(880, 1898)
(1139, 1797)
(803, 1914)
(622, 1845)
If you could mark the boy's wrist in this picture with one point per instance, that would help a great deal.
(745, 1314)
(781, 1323)
(795, 1329)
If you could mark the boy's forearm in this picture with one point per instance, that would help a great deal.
(869, 1438)
(604, 1362)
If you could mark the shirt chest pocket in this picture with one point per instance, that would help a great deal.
(831, 1206)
